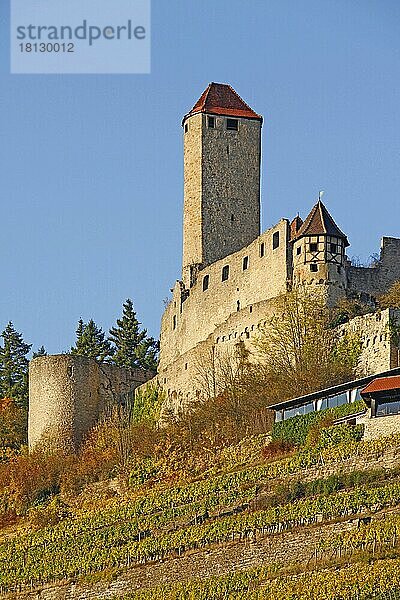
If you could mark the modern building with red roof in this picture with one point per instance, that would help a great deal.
(373, 402)
(382, 395)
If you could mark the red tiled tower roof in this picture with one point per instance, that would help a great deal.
(221, 99)
(320, 222)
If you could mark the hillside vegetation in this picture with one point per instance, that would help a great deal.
(95, 518)
(215, 502)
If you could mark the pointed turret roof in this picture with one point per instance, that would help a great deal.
(295, 226)
(221, 99)
(320, 222)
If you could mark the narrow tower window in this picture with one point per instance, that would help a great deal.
(186, 127)
(232, 124)
(245, 263)
(211, 122)
(314, 267)
(299, 250)
(174, 322)
(275, 240)
(262, 249)
(225, 273)
(206, 282)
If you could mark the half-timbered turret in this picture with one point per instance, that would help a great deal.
(319, 253)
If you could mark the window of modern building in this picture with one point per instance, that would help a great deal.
(262, 249)
(245, 263)
(211, 122)
(275, 240)
(232, 124)
(206, 282)
(338, 400)
(313, 247)
(388, 408)
(298, 410)
(314, 267)
(225, 273)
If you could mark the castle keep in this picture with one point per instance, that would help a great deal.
(231, 273)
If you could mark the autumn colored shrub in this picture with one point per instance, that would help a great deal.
(13, 426)
(277, 449)
(30, 479)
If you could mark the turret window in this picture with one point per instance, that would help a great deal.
(232, 124)
(245, 263)
(211, 122)
(313, 247)
(333, 248)
(314, 267)
(225, 273)
(186, 127)
(298, 251)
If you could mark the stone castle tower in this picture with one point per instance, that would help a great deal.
(231, 273)
(222, 157)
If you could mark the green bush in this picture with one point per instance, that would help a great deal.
(331, 436)
(296, 429)
(143, 471)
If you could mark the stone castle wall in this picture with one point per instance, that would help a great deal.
(378, 352)
(194, 314)
(68, 393)
(374, 281)
(182, 379)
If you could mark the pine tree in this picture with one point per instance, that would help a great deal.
(91, 342)
(133, 347)
(39, 352)
(14, 366)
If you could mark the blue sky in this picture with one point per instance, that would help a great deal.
(91, 165)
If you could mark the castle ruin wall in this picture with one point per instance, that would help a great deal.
(374, 281)
(67, 395)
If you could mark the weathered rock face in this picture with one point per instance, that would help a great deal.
(68, 393)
